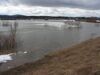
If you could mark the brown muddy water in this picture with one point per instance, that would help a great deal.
(37, 38)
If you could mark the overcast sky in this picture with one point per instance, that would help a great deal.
(51, 7)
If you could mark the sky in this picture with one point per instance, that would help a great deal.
(71, 8)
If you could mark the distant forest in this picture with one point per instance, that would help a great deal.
(23, 17)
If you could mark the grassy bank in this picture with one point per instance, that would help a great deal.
(7, 51)
(82, 59)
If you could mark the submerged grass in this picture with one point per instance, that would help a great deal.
(8, 41)
(82, 59)
(7, 44)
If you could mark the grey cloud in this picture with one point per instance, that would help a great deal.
(85, 4)
(4, 2)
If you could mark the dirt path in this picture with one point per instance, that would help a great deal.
(82, 59)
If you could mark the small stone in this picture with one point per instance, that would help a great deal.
(97, 73)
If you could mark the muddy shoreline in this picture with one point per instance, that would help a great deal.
(81, 59)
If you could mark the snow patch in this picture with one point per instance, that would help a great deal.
(5, 58)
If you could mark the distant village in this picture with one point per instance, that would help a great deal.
(23, 17)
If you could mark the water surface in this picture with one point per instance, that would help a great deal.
(38, 38)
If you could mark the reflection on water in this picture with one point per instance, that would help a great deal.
(97, 24)
(37, 38)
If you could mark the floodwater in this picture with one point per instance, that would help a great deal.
(36, 38)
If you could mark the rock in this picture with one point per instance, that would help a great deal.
(97, 73)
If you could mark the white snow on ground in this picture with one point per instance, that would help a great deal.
(5, 58)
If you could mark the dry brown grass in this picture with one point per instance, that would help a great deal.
(7, 44)
(82, 59)
(7, 51)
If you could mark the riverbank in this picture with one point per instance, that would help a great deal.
(82, 59)
(7, 51)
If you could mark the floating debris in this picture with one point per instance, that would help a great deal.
(71, 24)
(25, 52)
